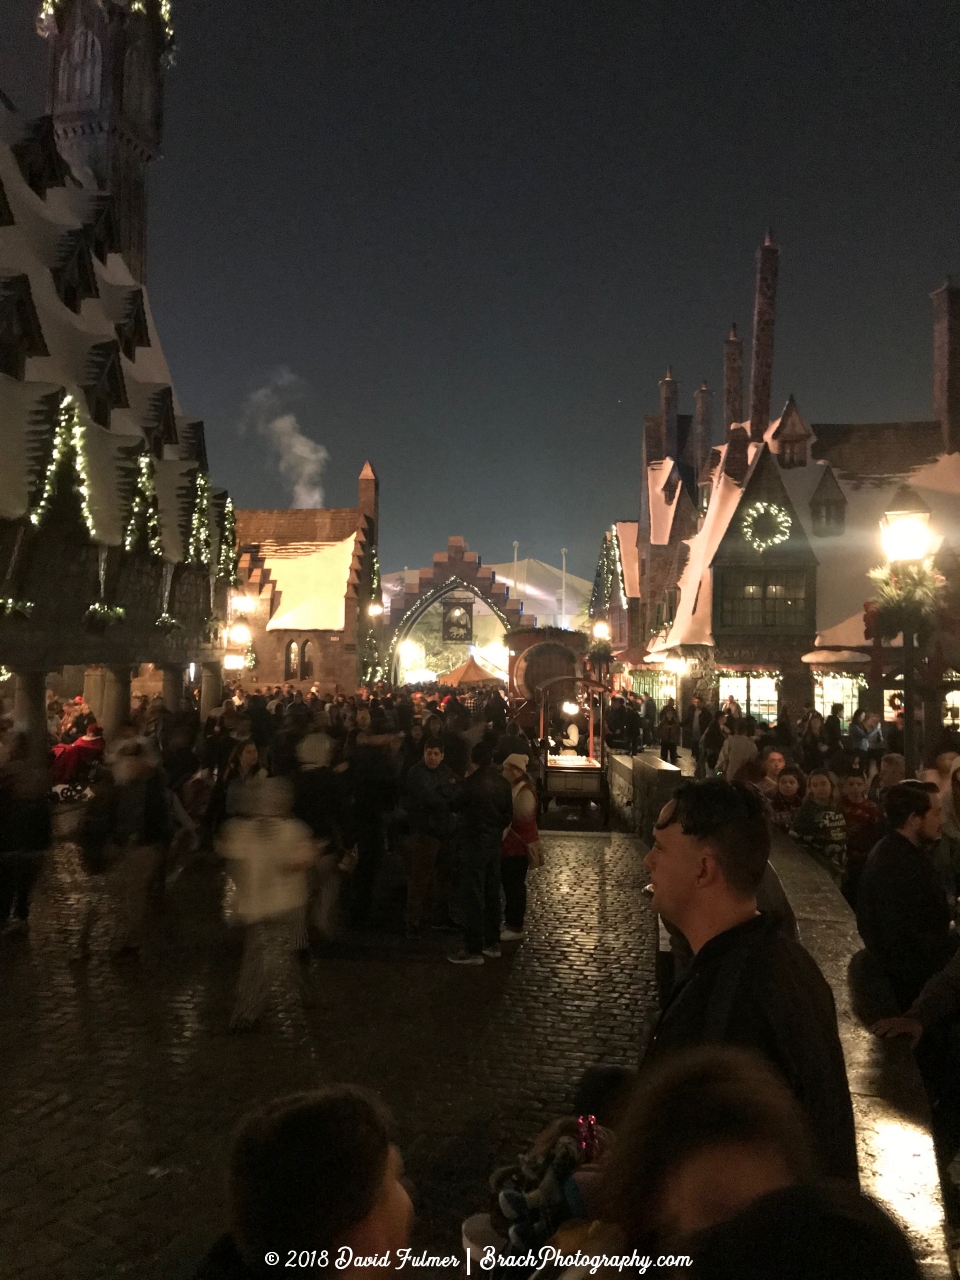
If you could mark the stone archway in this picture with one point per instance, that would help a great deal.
(458, 569)
(422, 606)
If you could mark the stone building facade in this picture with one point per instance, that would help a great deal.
(308, 609)
(115, 548)
(754, 553)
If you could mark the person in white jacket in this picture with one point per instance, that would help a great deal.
(270, 854)
(736, 750)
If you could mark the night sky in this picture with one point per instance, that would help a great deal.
(466, 238)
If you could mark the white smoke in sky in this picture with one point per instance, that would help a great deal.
(270, 412)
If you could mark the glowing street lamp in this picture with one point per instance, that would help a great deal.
(240, 633)
(906, 536)
(374, 610)
(601, 630)
(907, 540)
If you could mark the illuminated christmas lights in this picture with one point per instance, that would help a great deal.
(68, 446)
(199, 550)
(144, 522)
(777, 521)
(227, 560)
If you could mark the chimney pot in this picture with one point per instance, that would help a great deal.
(732, 380)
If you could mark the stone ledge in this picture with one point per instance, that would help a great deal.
(897, 1162)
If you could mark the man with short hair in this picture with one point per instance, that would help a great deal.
(483, 803)
(428, 791)
(893, 769)
(902, 910)
(315, 1173)
(748, 984)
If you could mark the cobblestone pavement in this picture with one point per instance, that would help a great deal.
(121, 1085)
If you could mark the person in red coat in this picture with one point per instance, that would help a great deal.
(70, 759)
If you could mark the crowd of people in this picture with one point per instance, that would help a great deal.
(729, 1153)
(732, 1145)
(301, 797)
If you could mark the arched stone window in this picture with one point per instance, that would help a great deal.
(307, 671)
(292, 663)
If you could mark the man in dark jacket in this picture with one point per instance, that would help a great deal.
(483, 803)
(748, 985)
(617, 725)
(902, 910)
(427, 794)
(138, 828)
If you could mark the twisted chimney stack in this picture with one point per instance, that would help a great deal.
(764, 314)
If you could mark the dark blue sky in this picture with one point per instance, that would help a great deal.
(480, 231)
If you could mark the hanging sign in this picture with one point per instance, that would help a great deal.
(458, 621)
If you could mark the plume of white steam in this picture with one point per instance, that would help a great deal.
(269, 412)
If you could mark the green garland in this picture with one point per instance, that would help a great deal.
(144, 522)
(47, 17)
(778, 521)
(608, 583)
(68, 447)
(199, 550)
(229, 556)
(9, 607)
(909, 597)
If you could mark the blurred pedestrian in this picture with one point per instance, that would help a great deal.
(270, 853)
(483, 803)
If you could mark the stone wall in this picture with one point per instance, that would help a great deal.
(639, 788)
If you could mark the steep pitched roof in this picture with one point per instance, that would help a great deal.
(629, 557)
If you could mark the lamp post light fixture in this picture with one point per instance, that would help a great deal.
(906, 539)
(374, 610)
(601, 630)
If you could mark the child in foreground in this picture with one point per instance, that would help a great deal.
(819, 824)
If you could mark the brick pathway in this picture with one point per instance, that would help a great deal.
(120, 1086)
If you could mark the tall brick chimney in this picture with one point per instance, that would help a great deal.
(946, 362)
(669, 393)
(702, 427)
(732, 380)
(764, 312)
(369, 496)
(737, 456)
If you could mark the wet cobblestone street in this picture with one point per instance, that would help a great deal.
(121, 1085)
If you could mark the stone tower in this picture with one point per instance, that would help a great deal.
(105, 95)
(764, 313)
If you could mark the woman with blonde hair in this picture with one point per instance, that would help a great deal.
(521, 843)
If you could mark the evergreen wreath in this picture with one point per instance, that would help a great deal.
(765, 525)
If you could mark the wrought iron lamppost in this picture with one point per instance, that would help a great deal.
(906, 539)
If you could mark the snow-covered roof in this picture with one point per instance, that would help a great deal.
(79, 346)
(663, 500)
(629, 557)
(311, 584)
(843, 561)
(693, 623)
